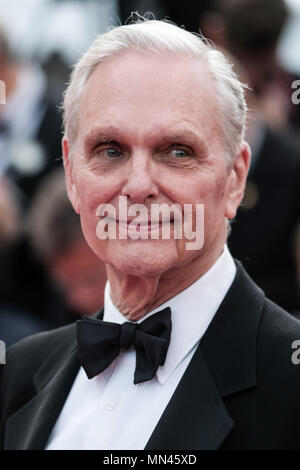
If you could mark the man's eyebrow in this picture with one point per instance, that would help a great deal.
(187, 137)
(99, 134)
(111, 133)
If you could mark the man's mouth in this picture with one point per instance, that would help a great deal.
(142, 226)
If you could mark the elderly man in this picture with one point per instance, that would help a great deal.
(188, 353)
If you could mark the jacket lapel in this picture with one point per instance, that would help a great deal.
(224, 363)
(52, 381)
(195, 417)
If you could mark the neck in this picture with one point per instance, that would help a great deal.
(126, 290)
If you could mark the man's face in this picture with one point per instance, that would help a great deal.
(148, 130)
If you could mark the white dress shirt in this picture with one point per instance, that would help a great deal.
(109, 412)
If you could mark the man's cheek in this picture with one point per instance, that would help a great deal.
(88, 225)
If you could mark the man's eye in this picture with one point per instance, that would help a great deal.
(112, 153)
(109, 152)
(180, 153)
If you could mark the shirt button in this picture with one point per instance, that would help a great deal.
(109, 405)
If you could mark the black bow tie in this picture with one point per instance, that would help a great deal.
(99, 342)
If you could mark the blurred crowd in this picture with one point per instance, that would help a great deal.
(48, 274)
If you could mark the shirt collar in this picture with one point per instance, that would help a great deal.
(192, 311)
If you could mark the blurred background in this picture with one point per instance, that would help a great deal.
(48, 275)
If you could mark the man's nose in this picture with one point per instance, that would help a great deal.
(140, 184)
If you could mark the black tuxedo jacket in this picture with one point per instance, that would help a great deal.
(241, 389)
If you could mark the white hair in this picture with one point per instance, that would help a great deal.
(160, 37)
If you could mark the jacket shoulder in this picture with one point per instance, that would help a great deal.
(24, 359)
(276, 345)
(278, 323)
(33, 350)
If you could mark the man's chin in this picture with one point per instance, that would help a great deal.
(143, 260)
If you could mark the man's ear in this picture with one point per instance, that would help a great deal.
(237, 180)
(70, 185)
